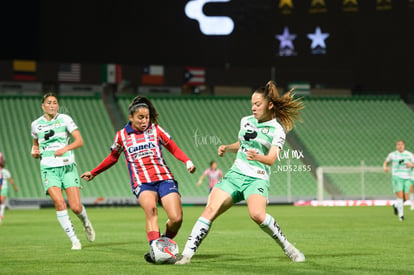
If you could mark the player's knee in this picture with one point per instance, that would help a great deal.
(257, 216)
(210, 212)
(60, 205)
(176, 219)
(76, 208)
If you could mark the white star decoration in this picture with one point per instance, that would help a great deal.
(318, 38)
(286, 39)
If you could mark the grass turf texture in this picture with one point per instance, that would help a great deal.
(339, 240)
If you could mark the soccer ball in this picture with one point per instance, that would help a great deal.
(164, 250)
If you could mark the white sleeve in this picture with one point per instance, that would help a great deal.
(70, 124)
(6, 173)
(389, 157)
(33, 129)
(279, 137)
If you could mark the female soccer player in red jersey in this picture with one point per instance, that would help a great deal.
(151, 180)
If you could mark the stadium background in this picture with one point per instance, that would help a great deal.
(357, 95)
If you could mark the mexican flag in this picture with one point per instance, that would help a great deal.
(111, 73)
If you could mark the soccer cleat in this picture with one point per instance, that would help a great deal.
(402, 218)
(395, 210)
(148, 258)
(294, 254)
(76, 245)
(90, 233)
(183, 260)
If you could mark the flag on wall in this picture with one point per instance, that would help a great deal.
(153, 75)
(24, 70)
(70, 72)
(194, 76)
(111, 73)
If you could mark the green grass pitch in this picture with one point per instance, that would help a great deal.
(335, 240)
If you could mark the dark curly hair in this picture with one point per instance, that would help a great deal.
(141, 101)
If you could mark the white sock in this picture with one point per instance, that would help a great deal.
(199, 232)
(2, 207)
(400, 207)
(412, 198)
(270, 226)
(83, 216)
(66, 224)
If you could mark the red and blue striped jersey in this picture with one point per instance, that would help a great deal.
(143, 154)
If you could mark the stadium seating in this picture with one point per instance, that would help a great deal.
(334, 132)
(346, 131)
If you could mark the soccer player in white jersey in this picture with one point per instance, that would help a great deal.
(261, 138)
(402, 162)
(151, 180)
(51, 135)
(7, 178)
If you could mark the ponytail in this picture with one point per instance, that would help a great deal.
(285, 108)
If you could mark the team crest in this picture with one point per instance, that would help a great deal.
(265, 130)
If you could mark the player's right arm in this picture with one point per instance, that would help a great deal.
(200, 181)
(35, 149)
(385, 166)
(232, 148)
(110, 160)
(386, 162)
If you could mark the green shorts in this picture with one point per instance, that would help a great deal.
(240, 186)
(400, 184)
(62, 177)
(4, 191)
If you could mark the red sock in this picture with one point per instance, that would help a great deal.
(153, 235)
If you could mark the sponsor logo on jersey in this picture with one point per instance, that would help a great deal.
(144, 146)
(42, 128)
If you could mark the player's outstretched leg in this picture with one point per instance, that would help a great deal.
(198, 233)
(271, 227)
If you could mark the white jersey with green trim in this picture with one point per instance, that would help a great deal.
(6, 176)
(399, 161)
(52, 136)
(259, 137)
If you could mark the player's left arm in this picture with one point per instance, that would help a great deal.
(180, 155)
(78, 142)
(173, 148)
(268, 159)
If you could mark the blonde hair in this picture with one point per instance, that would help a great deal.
(286, 108)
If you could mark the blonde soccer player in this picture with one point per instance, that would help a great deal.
(152, 182)
(261, 137)
(401, 161)
(51, 134)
